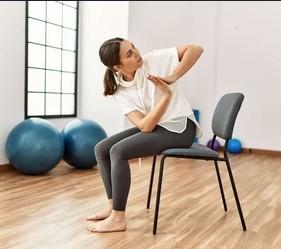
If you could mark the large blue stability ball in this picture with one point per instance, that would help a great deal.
(34, 146)
(234, 146)
(80, 138)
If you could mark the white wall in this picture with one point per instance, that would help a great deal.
(242, 53)
(12, 15)
(12, 70)
(99, 21)
(164, 24)
(249, 60)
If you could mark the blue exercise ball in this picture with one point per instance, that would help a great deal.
(234, 146)
(34, 146)
(216, 145)
(80, 138)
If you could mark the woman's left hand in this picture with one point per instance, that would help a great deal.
(168, 79)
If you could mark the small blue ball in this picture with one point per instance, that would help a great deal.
(234, 146)
(216, 144)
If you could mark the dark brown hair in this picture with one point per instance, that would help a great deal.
(109, 55)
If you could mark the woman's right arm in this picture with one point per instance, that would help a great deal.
(147, 123)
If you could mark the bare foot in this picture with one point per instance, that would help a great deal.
(100, 215)
(108, 225)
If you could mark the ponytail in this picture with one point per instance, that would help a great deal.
(109, 55)
(110, 85)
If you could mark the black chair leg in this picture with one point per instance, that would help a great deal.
(158, 194)
(221, 186)
(235, 195)
(151, 182)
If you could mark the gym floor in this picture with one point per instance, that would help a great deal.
(49, 211)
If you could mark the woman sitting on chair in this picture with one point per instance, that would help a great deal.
(149, 94)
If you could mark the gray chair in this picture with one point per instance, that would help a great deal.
(222, 125)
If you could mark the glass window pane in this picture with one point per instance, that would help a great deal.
(68, 61)
(70, 3)
(67, 104)
(51, 43)
(69, 39)
(35, 104)
(69, 17)
(53, 35)
(52, 104)
(36, 80)
(36, 31)
(53, 80)
(36, 55)
(37, 9)
(53, 58)
(68, 80)
(54, 12)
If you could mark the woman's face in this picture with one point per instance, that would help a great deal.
(130, 58)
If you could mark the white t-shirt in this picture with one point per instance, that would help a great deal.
(142, 95)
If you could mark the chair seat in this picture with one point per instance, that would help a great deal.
(197, 150)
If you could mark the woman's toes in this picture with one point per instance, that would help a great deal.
(99, 216)
(91, 228)
(92, 217)
(107, 225)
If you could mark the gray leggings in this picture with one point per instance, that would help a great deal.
(113, 153)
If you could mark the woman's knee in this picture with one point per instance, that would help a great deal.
(117, 151)
(101, 149)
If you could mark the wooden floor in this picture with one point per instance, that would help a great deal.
(42, 212)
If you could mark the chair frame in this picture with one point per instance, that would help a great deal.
(215, 159)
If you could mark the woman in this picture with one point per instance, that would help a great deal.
(148, 92)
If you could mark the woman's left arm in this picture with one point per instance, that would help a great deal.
(188, 55)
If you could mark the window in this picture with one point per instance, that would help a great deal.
(51, 59)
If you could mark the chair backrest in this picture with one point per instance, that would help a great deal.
(225, 114)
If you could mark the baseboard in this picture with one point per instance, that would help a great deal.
(5, 167)
(262, 152)
(258, 151)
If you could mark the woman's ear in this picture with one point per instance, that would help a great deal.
(116, 68)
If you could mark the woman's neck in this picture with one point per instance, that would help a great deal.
(128, 76)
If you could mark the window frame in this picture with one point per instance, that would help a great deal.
(45, 116)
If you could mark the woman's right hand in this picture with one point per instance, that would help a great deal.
(161, 85)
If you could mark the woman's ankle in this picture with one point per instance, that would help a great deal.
(118, 215)
(110, 204)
